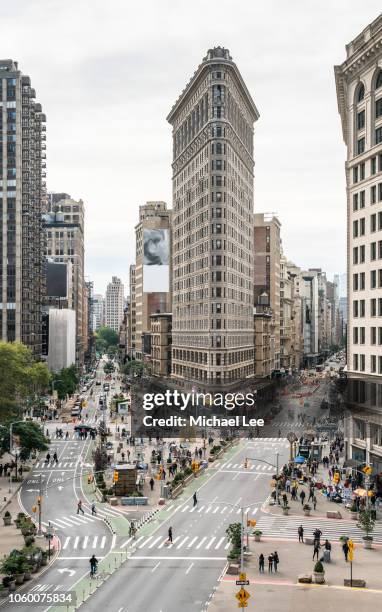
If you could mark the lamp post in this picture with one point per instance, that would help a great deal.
(273, 465)
(11, 449)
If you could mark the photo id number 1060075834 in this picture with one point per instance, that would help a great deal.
(67, 598)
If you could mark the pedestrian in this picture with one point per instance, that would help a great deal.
(311, 494)
(152, 483)
(128, 455)
(67, 435)
(94, 509)
(285, 500)
(301, 534)
(55, 458)
(170, 535)
(261, 563)
(314, 502)
(195, 499)
(287, 486)
(270, 563)
(345, 549)
(316, 550)
(317, 535)
(302, 497)
(123, 457)
(1, 470)
(47, 458)
(276, 560)
(327, 545)
(79, 507)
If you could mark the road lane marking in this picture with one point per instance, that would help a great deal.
(154, 568)
(103, 542)
(95, 540)
(182, 542)
(216, 509)
(188, 569)
(76, 540)
(210, 542)
(66, 543)
(146, 541)
(85, 542)
(155, 541)
(201, 508)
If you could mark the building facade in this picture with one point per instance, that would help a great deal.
(98, 311)
(22, 200)
(212, 238)
(359, 96)
(152, 269)
(114, 300)
(131, 330)
(161, 339)
(64, 226)
(267, 254)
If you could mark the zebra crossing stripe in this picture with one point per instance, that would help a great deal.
(76, 540)
(193, 509)
(201, 508)
(182, 542)
(95, 540)
(66, 542)
(210, 542)
(60, 524)
(201, 542)
(155, 541)
(185, 509)
(192, 542)
(215, 510)
(146, 541)
(85, 542)
(103, 542)
(224, 509)
(126, 543)
(219, 543)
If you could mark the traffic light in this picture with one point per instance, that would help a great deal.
(336, 478)
(251, 523)
(367, 470)
(39, 499)
(245, 463)
(115, 476)
(90, 478)
(34, 508)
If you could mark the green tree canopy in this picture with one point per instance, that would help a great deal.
(65, 381)
(29, 436)
(105, 338)
(21, 378)
(109, 367)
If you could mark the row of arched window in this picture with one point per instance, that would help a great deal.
(360, 92)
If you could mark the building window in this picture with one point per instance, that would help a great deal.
(361, 93)
(355, 362)
(373, 251)
(362, 335)
(355, 308)
(361, 120)
(373, 194)
(362, 308)
(373, 307)
(373, 335)
(361, 143)
(355, 255)
(355, 201)
(373, 165)
(362, 253)
(373, 279)
(373, 223)
(378, 135)
(362, 226)
(355, 174)
(378, 82)
(362, 170)
(373, 363)
(355, 335)
(378, 108)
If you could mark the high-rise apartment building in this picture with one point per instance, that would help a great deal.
(131, 331)
(64, 228)
(212, 237)
(266, 258)
(152, 269)
(114, 301)
(98, 310)
(359, 95)
(22, 198)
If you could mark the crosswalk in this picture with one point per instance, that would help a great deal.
(180, 542)
(70, 520)
(283, 527)
(208, 508)
(289, 424)
(53, 464)
(259, 467)
(88, 542)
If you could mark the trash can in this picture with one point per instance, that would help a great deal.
(326, 556)
(165, 491)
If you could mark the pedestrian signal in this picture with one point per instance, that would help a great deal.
(251, 523)
(34, 508)
(115, 476)
(245, 463)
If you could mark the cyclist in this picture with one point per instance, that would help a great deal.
(93, 565)
(132, 530)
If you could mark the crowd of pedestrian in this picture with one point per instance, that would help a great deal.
(273, 562)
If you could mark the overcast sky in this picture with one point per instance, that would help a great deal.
(107, 73)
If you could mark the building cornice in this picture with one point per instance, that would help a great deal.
(198, 76)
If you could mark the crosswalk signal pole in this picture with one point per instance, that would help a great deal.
(39, 533)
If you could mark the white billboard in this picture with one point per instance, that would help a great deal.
(156, 260)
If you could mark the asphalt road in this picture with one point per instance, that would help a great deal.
(160, 578)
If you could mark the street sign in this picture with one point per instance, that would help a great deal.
(351, 550)
(242, 582)
(242, 596)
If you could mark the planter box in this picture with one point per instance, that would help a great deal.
(367, 543)
(335, 514)
(177, 491)
(188, 479)
(307, 512)
(354, 516)
(257, 538)
(134, 501)
(319, 577)
(20, 578)
(356, 582)
(309, 541)
(233, 568)
(7, 520)
(305, 579)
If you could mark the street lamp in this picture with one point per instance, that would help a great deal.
(268, 463)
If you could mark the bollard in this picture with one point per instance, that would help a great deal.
(83, 595)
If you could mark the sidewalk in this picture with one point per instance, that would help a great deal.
(282, 592)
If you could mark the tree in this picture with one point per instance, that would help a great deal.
(21, 379)
(105, 338)
(109, 367)
(234, 536)
(366, 523)
(29, 436)
(65, 382)
(134, 368)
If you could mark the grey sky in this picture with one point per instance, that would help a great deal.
(108, 73)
